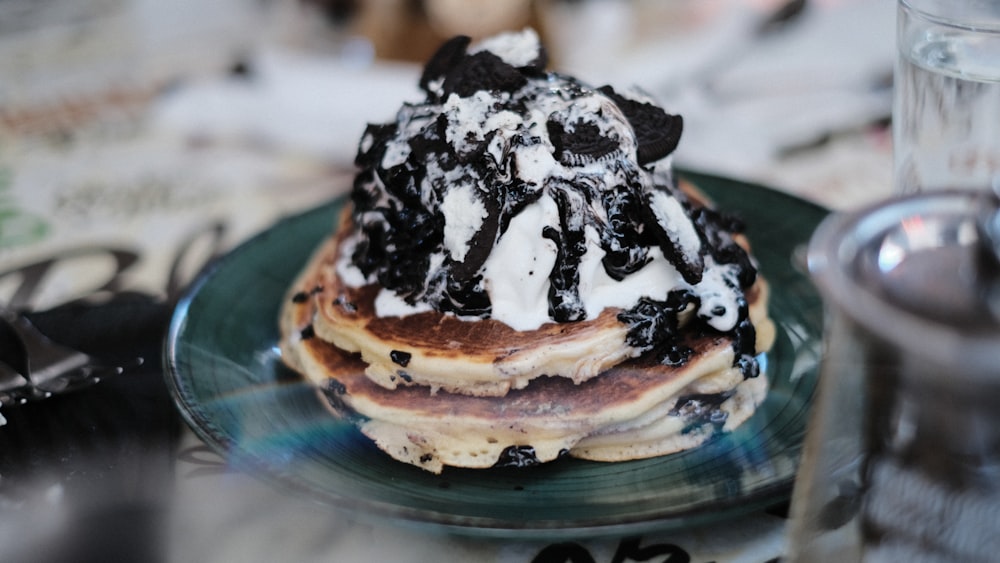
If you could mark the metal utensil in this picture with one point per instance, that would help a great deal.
(39, 367)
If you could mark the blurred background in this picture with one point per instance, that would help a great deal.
(762, 84)
(139, 139)
(118, 115)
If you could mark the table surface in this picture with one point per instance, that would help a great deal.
(117, 185)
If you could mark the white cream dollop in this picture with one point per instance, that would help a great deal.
(516, 274)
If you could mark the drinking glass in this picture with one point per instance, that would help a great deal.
(946, 110)
(902, 454)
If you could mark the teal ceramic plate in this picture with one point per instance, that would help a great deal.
(227, 378)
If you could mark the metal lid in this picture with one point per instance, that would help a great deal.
(921, 272)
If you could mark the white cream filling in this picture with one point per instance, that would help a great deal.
(599, 291)
(388, 304)
(463, 217)
(516, 273)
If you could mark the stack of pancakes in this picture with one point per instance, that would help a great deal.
(451, 373)
(432, 389)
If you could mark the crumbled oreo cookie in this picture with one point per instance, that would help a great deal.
(580, 143)
(699, 410)
(481, 242)
(748, 366)
(718, 229)
(444, 59)
(657, 132)
(400, 357)
(683, 248)
(654, 326)
(517, 456)
(565, 304)
(482, 71)
(334, 391)
(744, 343)
(307, 332)
(464, 297)
(373, 144)
(626, 252)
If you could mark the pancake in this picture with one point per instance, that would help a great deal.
(635, 409)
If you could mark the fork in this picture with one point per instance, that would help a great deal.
(47, 368)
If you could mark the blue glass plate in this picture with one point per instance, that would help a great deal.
(226, 375)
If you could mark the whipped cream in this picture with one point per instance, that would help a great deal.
(528, 197)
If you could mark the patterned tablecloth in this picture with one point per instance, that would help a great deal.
(111, 194)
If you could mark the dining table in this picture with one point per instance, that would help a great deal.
(147, 151)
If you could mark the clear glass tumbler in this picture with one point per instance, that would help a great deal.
(946, 111)
(902, 455)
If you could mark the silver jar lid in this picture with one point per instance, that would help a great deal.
(921, 272)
